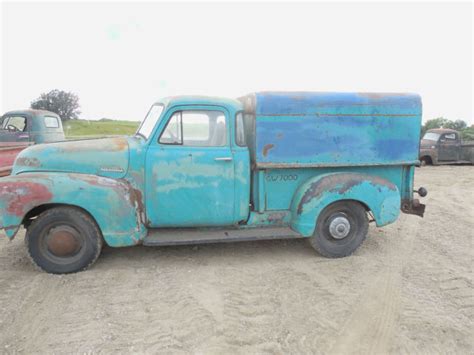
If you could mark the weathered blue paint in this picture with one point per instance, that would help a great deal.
(305, 151)
(337, 129)
(191, 180)
(321, 103)
(103, 157)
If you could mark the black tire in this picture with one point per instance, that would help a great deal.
(348, 213)
(63, 240)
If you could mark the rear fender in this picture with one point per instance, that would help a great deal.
(114, 204)
(379, 195)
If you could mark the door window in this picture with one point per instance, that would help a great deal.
(449, 137)
(196, 129)
(15, 123)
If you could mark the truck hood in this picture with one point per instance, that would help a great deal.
(107, 157)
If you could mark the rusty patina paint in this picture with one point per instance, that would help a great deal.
(340, 183)
(266, 149)
(21, 196)
(31, 162)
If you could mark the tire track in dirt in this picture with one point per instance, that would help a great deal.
(408, 289)
(370, 328)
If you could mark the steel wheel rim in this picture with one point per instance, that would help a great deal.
(62, 243)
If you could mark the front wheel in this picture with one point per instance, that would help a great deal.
(63, 240)
(340, 229)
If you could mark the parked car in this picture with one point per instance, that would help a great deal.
(445, 146)
(20, 129)
(204, 170)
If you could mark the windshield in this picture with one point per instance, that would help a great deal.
(150, 121)
(431, 136)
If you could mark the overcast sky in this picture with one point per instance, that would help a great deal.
(120, 57)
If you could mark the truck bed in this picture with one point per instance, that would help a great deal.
(8, 153)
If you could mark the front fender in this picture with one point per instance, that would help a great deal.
(114, 204)
(379, 195)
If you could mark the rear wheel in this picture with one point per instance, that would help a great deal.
(426, 161)
(63, 240)
(340, 229)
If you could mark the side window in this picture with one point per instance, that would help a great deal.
(51, 122)
(450, 137)
(240, 130)
(196, 129)
(15, 123)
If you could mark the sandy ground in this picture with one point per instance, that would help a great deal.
(408, 289)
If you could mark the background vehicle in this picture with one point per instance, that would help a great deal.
(20, 129)
(444, 146)
(200, 170)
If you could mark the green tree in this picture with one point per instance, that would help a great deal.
(433, 123)
(65, 104)
(457, 125)
(442, 122)
(468, 133)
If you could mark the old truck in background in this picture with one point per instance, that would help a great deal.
(445, 146)
(20, 129)
(203, 170)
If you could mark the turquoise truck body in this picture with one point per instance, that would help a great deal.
(282, 158)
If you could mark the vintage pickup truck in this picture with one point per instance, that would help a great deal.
(444, 146)
(202, 170)
(20, 129)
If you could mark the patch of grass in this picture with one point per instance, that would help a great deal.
(84, 128)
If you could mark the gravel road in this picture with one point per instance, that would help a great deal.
(408, 289)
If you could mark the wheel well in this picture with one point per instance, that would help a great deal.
(35, 212)
(363, 204)
(427, 159)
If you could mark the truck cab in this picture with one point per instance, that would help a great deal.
(201, 170)
(22, 128)
(31, 126)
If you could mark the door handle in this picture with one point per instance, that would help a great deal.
(223, 159)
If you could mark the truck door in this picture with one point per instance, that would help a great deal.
(448, 147)
(190, 170)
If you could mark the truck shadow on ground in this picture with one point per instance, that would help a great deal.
(243, 252)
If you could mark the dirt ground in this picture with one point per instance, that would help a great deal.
(408, 289)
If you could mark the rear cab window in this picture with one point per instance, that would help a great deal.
(51, 122)
(450, 136)
(240, 130)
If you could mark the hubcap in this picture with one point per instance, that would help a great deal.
(63, 241)
(339, 227)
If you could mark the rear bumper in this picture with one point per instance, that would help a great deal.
(413, 207)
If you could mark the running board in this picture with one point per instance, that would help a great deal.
(181, 236)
